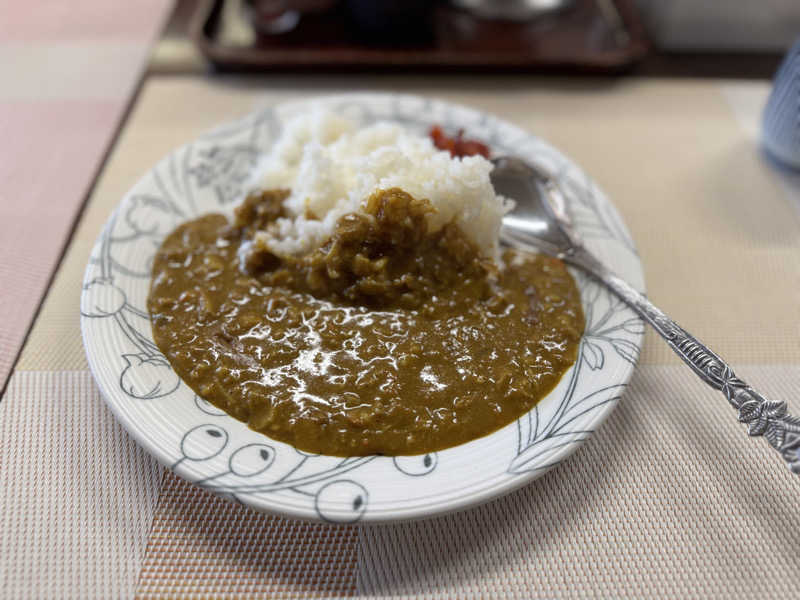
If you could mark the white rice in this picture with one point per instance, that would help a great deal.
(332, 166)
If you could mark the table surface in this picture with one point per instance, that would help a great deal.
(69, 73)
(669, 498)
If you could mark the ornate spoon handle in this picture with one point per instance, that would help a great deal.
(762, 416)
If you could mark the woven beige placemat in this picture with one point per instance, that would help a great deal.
(669, 499)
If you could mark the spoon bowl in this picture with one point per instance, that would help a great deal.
(540, 208)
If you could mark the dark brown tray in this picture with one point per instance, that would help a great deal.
(580, 38)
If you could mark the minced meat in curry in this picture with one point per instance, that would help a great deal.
(389, 339)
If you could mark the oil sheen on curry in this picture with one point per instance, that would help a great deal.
(388, 339)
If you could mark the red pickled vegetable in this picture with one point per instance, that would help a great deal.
(457, 146)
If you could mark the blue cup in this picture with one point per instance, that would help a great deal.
(780, 134)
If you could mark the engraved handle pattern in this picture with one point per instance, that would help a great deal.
(763, 417)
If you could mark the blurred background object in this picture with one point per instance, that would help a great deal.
(399, 22)
(722, 25)
(781, 122)
(512, 10)
(686, 38)
(597, 36)
(271, 17)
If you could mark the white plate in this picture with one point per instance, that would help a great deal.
(205, 446)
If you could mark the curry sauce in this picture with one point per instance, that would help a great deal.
(388, 339)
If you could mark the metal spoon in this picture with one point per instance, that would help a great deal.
(540, 220)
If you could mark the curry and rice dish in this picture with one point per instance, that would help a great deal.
(350, 307)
